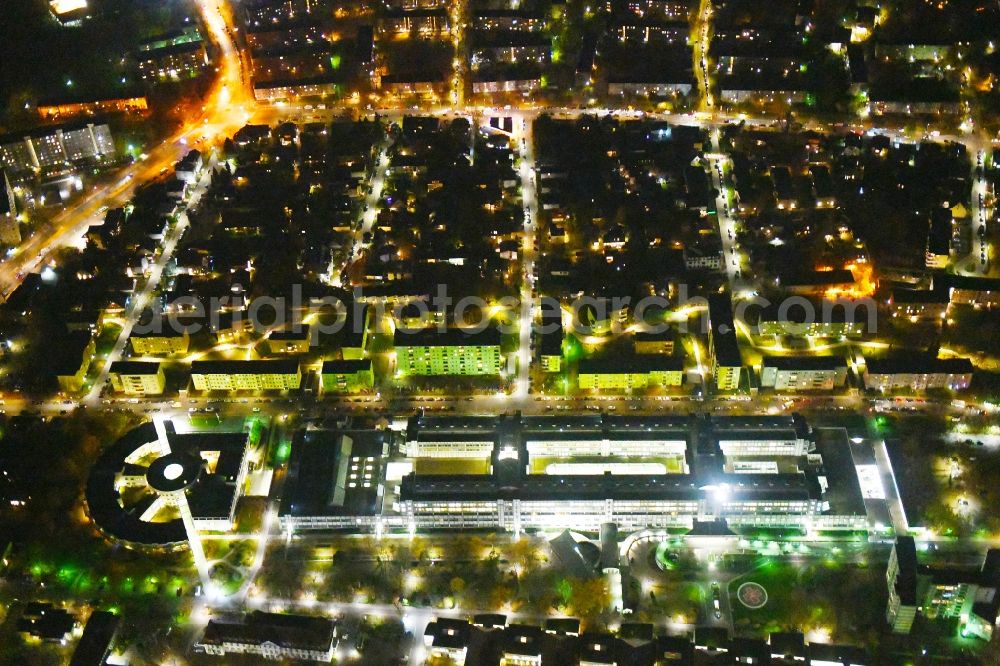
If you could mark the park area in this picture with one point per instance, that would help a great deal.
(483, 572)
(839, 601)
(944, 485)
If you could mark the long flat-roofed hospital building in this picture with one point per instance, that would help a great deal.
(516, 472)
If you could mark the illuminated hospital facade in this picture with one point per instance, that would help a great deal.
(521, 473)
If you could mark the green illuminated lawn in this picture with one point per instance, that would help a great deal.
(846, 600)
(452, 466)
(679, 601)
(674, 464)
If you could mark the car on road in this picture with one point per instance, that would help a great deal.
(717, 601)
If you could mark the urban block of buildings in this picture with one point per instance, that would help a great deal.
(161, 343)
(578, 472)
(630, 373)
(723, 347)
(73, 360)
(188, 476)
(550, 341)
(69, 13)
(69, 107)
(274, 636)
(347, 376)
(468, 641)
(970, 596)
(55, 146)
(260, 375)
(449, 352)
(10, 230)
(176, 55)
(137, 377)
(917, 373)
(654, 342)
(805, 373)
(99, 635)
(290, 341)
(823, 319)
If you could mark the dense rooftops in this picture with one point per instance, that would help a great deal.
(608, 423)
(46, 622)
(921, 296)
(290, 334)
(322, 79)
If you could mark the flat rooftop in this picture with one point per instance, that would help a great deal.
(320, 481)
(622, 365)
(701, 436)
(582, 487)
(337, 366)
(805, 362)
(723, 334)
(255, 367)
(135, 367)
(917, 364)
(451, 337)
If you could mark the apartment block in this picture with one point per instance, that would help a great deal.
(160, 344)
(74, 355)
(917, 373)
(630, 374)
(803, 373)
(273, 636)
(661, 342)
(55, 146)
(722, 344)
(173, 56)
(449, 352)
(137, 377)
(290, 341)
(246, 375)
(968, 596)
(340, 376)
